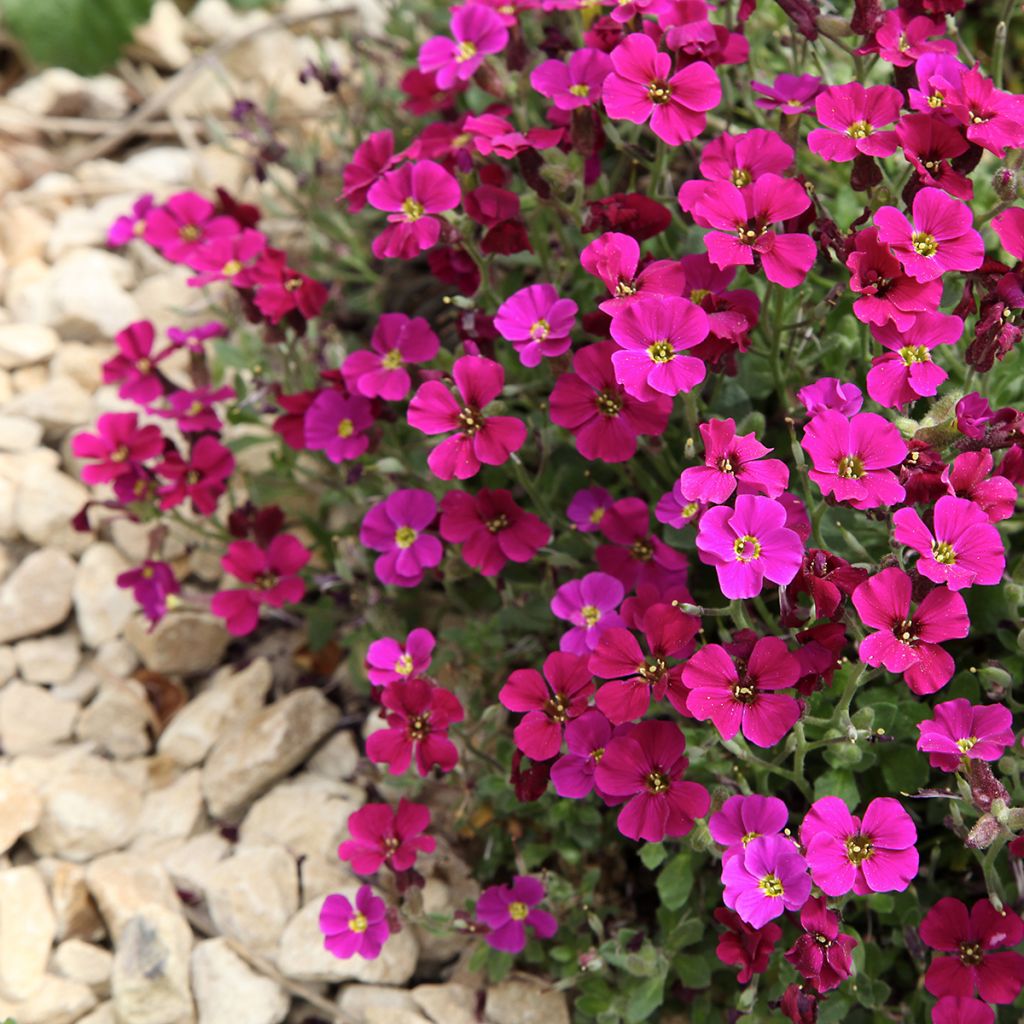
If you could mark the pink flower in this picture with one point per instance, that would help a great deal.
(547, 702)
(975, 941)
(135, 365)
(741, 227)
(744, 700)
(587, 509)
(281, 290)
(132, 225)
(993, 119)
(961, 731)
(575, 84)
(477, 31)
(382, 835)
(491, 528)
(742, 159)
(635, 556)
(119, 445)
(373, 156)
(851, 458)
(652, 335)
(228, 258)
(748, 948)
(202, 479)
(194, 410)
(959, 1010)
(272, 573)
(901, 40)
(537, 322)
(380, 371)
(151, 585)
(337, 425)
(970, 476)
(642, 87)
(479, 439)
(962, 550)
(388, 661)
(645, 767)
(586, 738)
(603, 416)
(873, 855)
(789, 94)
(749, 544)
(823, 954)
(742, 819)
(359, 930)
(614, 257)
(831, 393)
(411, 195)
(397, 528)
(590, 605)
(906, 371)
(1009, 227)
(932, 145)
(731, 460)
(853, 117)
(181, 226)
(941, 237)
(908, 643)
(507, 910)
(418, 715)
(765, 879)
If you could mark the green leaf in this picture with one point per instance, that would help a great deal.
(645, 998)
(676, 881)
(838, 783)
(694, 971)
(653, 855)
(83, 35)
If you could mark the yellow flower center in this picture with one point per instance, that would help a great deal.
(413, 209)
(860, 130)
(936, 100)
(539, 330)
(405, 536)
(771, 886)
(690, 509)
(189, 233)
(967, 743)
(746, 548)
(851, 467)
(858, 849)
(391, 360)
(924, 244)
(466, 51)
(597, 515)
(741, 177)
(911, 354)
(659, 92)
(580, 89)
(404, 664)
(346, 428)
(518, 910)
(943, 553)
(661, 351)
(749, 837)
(656, 782)
(698, 295)
(358, 923)
(591, 614)
(231, 268)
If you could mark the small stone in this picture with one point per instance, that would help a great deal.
(59, 91)
(31, 718)
(83, 364)
(8, 666)
(73, 906)
(122, 884)
(302, 957)
(37, 595)
(60, 405)
(102, 608)
(150, 981)
(166, 300)
(227, 990)
(57, 1001)
(27, 930)
(84, 962)
(50, 660)
(230, 698)
(120, 720)
(87, 296)
(23, 232)
(338, 758)
(171, 812)
(451, 1003)
(26, 345)
(19, 434)
(359, 1001)
(103, 1014)
(162, 37)
(184, 642)
(522, 1001)
(115, 658)
(265, 748)
(190, 866)
(45, 504)
(20, 809)
(76, 227)
(252, 894)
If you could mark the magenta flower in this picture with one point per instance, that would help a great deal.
(644, 767)
(380, 371)
(151, 584)
(789, 94)
(961, 731)
(931, 145)
(537, 322)
(766, 879)
(194, 337)
(507, 910)
(742, 819)
(1009, 227)
(614, 257)
(959, 1010)
(744, 700)
(280, 289)
(590, 604)
(831, 393)
(605, 419)
(547, 702)
(491, 528)
(981, 960)
(970, 476)
(941, 237)
(273, 575)
(873, 855)
(202, 479)
(479, 438)
(652, 335)
(388, 661)
(902, 40)
(135, 365)
(418, 716)
(742, 159)
(748, 948)
(586, 738)
(478, 31)
(359, 930)
(853, 118)
(963, 549)
(194, 411)
(822, 954)
(396, 527)
(228, 258)
(337, 425)
(183, 225)
(906, 642)
(575, 84)
(676, 511)
(587, 509)
(373, 156)
(906, 371)
(741, 227)
(993, 119)
(852, 458)
(642, 87)
(119, 445)
(411, 194)
(731, 460)
(132, 225)
(748, 544)
(383, 835)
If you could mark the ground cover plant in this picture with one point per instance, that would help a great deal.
(637, 419)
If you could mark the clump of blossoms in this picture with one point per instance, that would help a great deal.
(633, 452)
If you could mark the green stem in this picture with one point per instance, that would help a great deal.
(744, 755)
(842, 712)
(988, 868)
(999, 47)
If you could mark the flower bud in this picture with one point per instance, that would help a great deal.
(1006, 184)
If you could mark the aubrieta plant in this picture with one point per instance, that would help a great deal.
(641, 423)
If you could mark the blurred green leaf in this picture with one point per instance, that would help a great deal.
(676, 881)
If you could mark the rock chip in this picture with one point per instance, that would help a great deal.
(73, 906)
(19, 434)
(450, 1003)
(31, 718)
(265, 748)
(59, 405)
(123, 884)
(150, 981)
(525, 1000)
(84, 962)
(184, 642)
(103, 1014)
(37, 595)
(338, 758)
(170, 812)
(26, 345)
(119, 719)
(45, 504)
(228, 991)
(191, 865)
(27, 930)
(102, 608)
(57, 1001)
(361, 1002)
(20, 809)
(51, 660)
(87, 295)
(59, 91)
